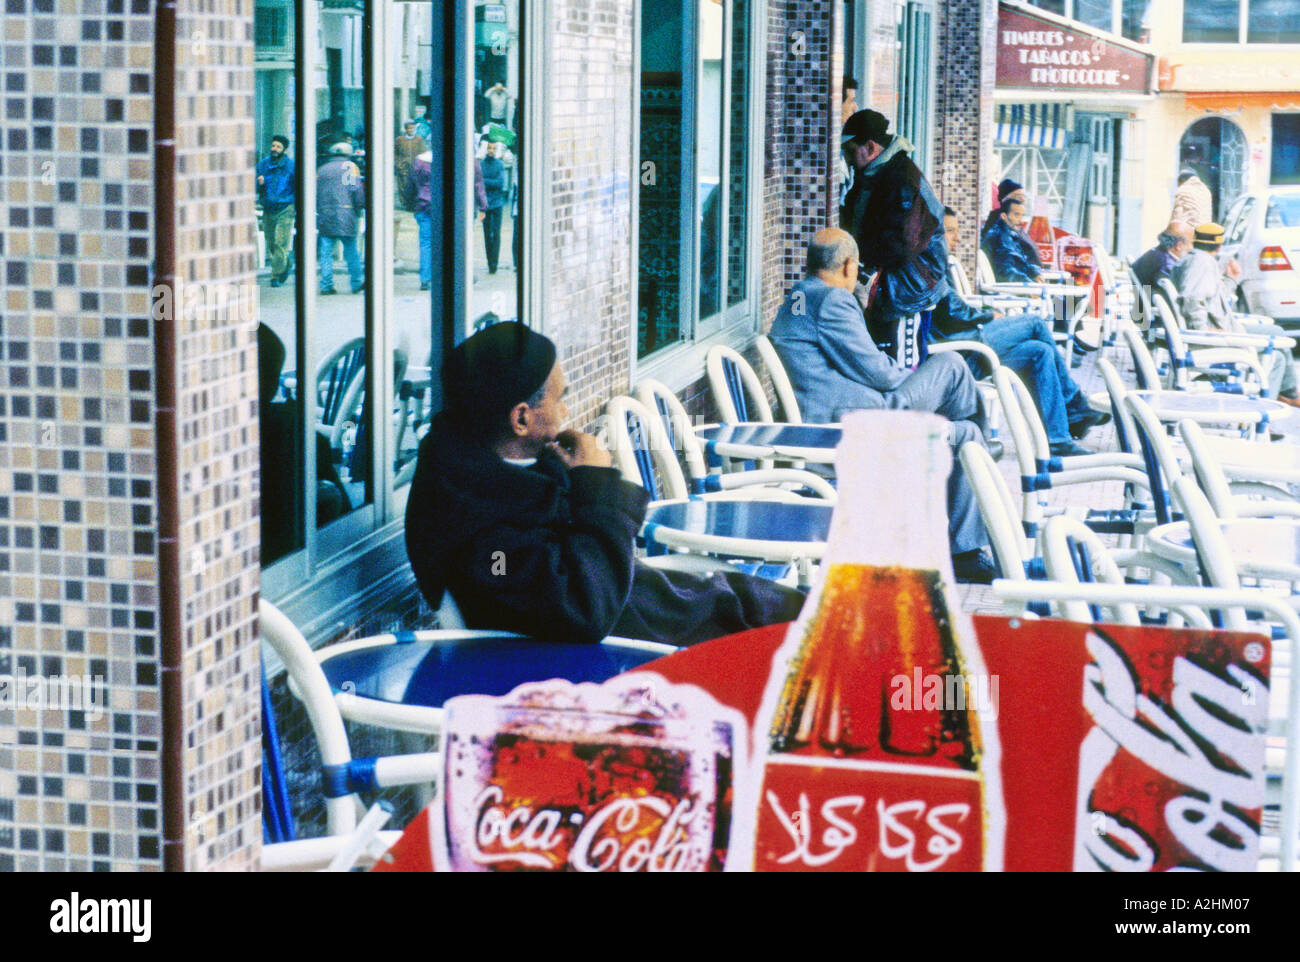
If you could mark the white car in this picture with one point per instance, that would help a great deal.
(1262, 231)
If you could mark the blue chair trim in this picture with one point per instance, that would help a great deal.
(403, 637)
(1035, 482)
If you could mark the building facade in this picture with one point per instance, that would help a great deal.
(239, 237)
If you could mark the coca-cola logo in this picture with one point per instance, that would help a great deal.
(1205, 743)
(624, 834)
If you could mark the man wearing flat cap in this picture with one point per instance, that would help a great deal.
(1205, 297)
(530, 528)
(895, 218)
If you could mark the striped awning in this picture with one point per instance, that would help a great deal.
(1033, 125)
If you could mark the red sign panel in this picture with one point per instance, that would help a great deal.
(1035, 53)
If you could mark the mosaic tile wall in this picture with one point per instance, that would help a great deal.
(589, 87)
(964, 115)
(217, 384)
(79, 789)
(79, 569)
(803, 62)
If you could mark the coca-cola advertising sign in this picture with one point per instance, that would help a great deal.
(1039, 53)
(633, 775)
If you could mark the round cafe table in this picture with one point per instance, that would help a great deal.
(777, 531)
(1261, 547)
(756, 441)
(1210, 408)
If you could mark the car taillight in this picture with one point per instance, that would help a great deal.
(1273, 259)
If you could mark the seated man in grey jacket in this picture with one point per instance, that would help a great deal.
(835, 367)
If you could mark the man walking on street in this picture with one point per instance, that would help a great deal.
(275, 186)
(340, 201)
(494, 181)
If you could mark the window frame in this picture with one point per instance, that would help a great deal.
(343, 567)
(681, 364)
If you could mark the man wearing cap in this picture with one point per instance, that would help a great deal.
(1205, 298)
(530, 528)
(340, 201)
(895, 217)
(1192, 201)
(835, 367)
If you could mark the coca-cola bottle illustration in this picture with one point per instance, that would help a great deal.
(1041, 233)
(876, 743)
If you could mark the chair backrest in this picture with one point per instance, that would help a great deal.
(998, 509)
(1115, 388)
(737, 391)
(678, 426)
(640, 450)
(1144, 365)
(1207, 470)
(289, 645)
(958, 278)
(1023, 421)
(1179, 358)
(1144, 300)
(1073, 554)
(338, 379)
(1212, 552)
(984, 269)
(780, 381)
(1157, 456)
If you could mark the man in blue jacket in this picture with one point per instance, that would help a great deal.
(835, 367)
(275, 179)
(1012, 255)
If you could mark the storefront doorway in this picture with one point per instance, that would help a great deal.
(1216, 149)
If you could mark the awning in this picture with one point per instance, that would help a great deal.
(1033, 125)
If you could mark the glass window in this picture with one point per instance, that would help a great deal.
(694, 181)
(1136, 20)
(497, 152)
(1242, 221)
(915, 43)
(1051, 6)
(339, 334)
(1283, 211)
(1211, 21)
(1095, 13)
(1273, 21)
(1285, 168)
(282, 478)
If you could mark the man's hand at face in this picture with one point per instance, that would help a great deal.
(1233, 269)
(577, 449)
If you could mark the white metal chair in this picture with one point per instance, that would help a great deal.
(1220, 361)
(1073, 300)
(780, 381)
(736, 388)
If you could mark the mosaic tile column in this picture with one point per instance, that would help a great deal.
(963, 152)
(83, 786)
(589, 87)
(804, 63)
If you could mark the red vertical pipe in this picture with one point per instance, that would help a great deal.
(167, 439)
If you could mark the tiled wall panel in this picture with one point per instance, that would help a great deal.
(79, 790)
(217, 383)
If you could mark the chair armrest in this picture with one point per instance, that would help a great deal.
(973, 347)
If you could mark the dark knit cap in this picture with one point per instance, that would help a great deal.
(491, 372)
(866, 125)
(1007, 188)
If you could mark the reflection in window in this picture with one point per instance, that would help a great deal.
(1211, 21)
(1051, 6)
(708, 168)
(498, 150)
(1136, 16)
(1095, 13)
(419, 179)
(338, 329)
(281, 491)
(1273, 21)
(664, 157)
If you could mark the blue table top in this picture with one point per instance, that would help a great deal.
(430, 672)
(774, 435)
(751, 520)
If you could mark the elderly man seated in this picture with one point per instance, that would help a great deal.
(1205, 296)
(529, 527)
(835, 367)
(1158, 263)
